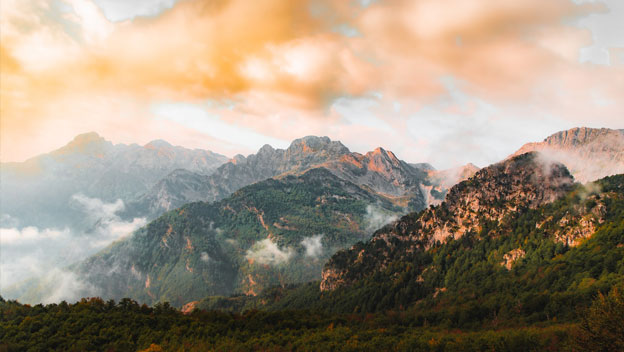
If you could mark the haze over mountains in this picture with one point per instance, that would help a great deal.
(40, 191)
(277, 217)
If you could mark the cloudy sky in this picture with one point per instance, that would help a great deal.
(443, 81)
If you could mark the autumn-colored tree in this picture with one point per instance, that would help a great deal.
(601, 328)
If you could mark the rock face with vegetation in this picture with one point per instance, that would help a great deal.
(513, 272)
(382, 172)
(589, 153)
(474, 205)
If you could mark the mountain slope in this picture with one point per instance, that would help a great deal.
(383, 173)
(536, 264)
(589, 153)
(523, 182)
(274, 232)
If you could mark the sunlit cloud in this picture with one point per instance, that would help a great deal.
(283, 69)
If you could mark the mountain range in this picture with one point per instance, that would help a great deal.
(380, 171)
(40, 191)
(283, 217)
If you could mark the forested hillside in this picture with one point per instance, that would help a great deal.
(520, 272)
(274, 232)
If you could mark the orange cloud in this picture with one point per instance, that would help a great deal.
(284, 63)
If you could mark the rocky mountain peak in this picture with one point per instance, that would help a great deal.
(528, 180)
(266, 150)
(382, 161)
(158, 144)
(86, 143)
(581, 135)
(87, 138)
(238, 158)
(314, 144)
(379, 152)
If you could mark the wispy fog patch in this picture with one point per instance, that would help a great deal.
(108, 226)
(267, 252)
(444, 180)
(546, 161)
(589, 189)
(64, 285)
(96, 208)
(585, 166)
(377, 217)
(313, 246)
(32, 252)
(28, 235)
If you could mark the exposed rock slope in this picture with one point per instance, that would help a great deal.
(523, 182)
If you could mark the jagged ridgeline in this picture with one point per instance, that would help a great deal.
(517, 242)
(274, 232)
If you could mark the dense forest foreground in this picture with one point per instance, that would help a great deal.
(95, 325)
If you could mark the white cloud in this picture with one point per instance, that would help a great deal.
(313, 246)
(64, 285)
(33, 252)
(121, 10)
(267, 252)
(607, 30)
(578, 165)
(27, 235)
(95, 26)
(110, 226)
(377, 217)
(96, 208)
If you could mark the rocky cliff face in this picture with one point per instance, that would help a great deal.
(589, 153)
(523, 182)
(382, 172)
